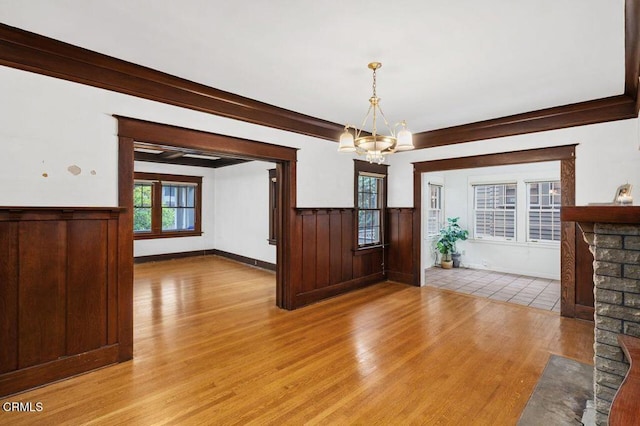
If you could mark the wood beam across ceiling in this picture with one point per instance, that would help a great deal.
(35, 53)
(632, 50)
(187, 161)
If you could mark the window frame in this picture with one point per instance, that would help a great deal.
(440, 210)
(273, 206)
(553, 208)
(475, 209)
(362, 168)
(156, 180)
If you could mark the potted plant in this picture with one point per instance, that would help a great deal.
(446, 243)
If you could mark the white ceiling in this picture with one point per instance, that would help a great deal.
(444, 62)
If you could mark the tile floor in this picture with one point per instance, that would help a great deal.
(538, 293)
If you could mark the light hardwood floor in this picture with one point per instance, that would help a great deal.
(212, 348)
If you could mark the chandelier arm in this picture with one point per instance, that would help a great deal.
(364, 122)
(386, 123)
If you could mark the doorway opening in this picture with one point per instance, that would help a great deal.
(570, 289)
(132, 131)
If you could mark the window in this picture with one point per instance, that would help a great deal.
(434, 210)
(495, 211)
(543, 211)
(166, 205)
(273, 206)
(371, 201)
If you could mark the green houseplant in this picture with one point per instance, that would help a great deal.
(446, 243)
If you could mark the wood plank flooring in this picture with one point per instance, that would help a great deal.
(212, 348)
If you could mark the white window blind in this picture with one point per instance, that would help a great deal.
(495, 211)
(543, 211)
(434, 210)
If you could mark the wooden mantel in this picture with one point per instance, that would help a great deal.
(601, 214)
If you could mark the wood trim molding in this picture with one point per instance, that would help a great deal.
(565, 154)
(32, 52)
(35, 53)
(632, 50)
(246, 260)
(130, 130)
(197, 140)
(209, 252)
(125, 249)
(580, 114)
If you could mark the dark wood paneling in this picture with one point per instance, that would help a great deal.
(328, 263)
(20, 380)
(58, 293)
(87, 286)
(8, 296)
(112, 281)
(309, 249)
(323, 249)
(41, 292)
(584, 274)
(335, 247)
(346, 253)
(568, 263)
(400, 265)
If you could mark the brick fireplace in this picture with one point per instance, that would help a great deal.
(613, 233)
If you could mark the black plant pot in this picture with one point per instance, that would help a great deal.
(456, 259)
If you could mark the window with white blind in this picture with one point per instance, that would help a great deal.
(543, 211)
(495, 211)
(434, 210)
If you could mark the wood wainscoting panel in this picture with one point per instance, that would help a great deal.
(58, 293)
(87, 286)
(329, 263)
(42, 273)
(8, 296)
(399, 265)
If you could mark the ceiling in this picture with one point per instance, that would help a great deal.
(444, 63)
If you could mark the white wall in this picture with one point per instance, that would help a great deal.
(47, 125)
(242, 210)
(607, 156)
(182, 244)
(519, 256)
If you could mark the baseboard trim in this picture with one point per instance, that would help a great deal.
(244, 259)
(401, 277)
(210, 252)
(172, 256)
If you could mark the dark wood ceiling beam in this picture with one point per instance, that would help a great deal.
(591, 112)
(32, 52)
(187, 161)
(170, 155)
(632, 50)
(563, 152)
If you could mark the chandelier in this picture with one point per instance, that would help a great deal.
(374, 145)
